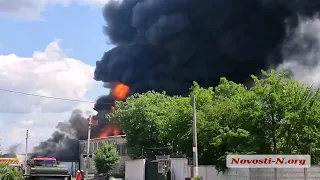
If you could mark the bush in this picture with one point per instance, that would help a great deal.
(10, 173)
(105, 158)
(197, 178)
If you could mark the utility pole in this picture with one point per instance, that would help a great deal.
(195, 139)
(26, 150)
(87, 160)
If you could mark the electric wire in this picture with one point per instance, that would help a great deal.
(50, 97)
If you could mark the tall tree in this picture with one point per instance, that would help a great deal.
(155, 124)
(290, 113)
(276, 115)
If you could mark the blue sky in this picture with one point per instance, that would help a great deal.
(80, 31)
(79, 28)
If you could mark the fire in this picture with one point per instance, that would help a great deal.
(120, 91)
(109, 131)
(105, 133)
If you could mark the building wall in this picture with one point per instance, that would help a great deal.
(210, 173)
(118, 141)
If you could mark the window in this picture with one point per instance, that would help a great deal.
(93, 165)
(112, 142)
(45, 163)
(84, 156)
(119, 148)
(91, 147)
(84, 147)
(87, 164)
(124, 149)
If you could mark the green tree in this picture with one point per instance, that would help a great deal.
(291, 113)
(9, 173)
(219, 110)
(155, 124)
(276, 115)
(105, 158)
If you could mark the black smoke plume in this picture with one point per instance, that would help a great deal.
(64, 142)
(164, 45)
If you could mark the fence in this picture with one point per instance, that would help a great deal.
(209, 173)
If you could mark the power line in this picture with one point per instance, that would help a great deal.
(49, 97)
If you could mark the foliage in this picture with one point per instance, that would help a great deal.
(196, 178)
(105, 158)
(9, 173)
(155, 124)
(276, 115)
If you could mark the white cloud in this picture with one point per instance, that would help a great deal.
(33, 8)
(40, 127)
(48, 73)
(302, 55)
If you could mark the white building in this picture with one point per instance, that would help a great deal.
(119, 141)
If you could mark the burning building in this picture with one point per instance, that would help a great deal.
(105, 131)
(64, 142)
(104, 128)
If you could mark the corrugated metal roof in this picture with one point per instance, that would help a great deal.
(110, 137)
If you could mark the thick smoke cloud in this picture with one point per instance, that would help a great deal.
(167, 44)
(103, 103)
(64, 142)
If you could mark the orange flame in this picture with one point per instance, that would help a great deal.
(105, 133)
(109, 131)
(120, 92)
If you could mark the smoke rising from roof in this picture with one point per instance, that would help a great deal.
(164, 45)
(64, 144)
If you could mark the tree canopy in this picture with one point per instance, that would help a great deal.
(276, 115)
(9, 173)
(105, 158)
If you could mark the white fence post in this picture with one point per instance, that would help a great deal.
(305, 173)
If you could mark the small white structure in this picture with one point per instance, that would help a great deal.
(135, 169)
